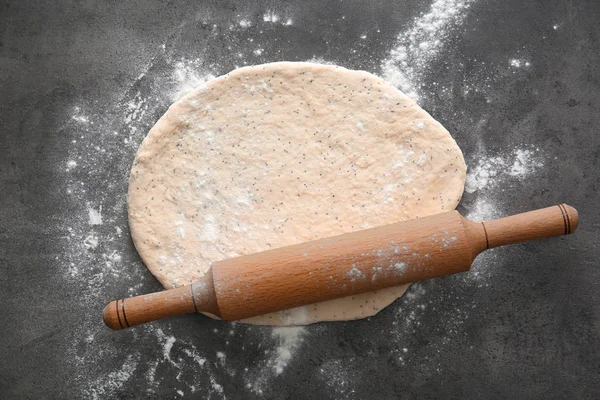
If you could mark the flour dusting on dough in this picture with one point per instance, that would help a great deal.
(209, 168)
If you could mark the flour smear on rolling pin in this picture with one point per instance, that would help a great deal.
(104, 136)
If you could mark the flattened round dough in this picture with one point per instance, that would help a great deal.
(277, 154)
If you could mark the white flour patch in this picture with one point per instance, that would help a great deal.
(112, 257)
(418, 47)
(355, 274)
(515, 63)
(289, 339)
(482, 210)
(218, 388)
(320, 60)
(79, 116)
(491, 171)
(270, 16)
(188, 75)
(95, 216)
(221, 357)
(399, 268)
(167, 343)
(195, 356)
(91, 242)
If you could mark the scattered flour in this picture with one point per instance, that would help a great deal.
(489, 172)
(418, 47)
(99, 254)
(337, 379)
(483, 209)
(104, 139)
(108, 386)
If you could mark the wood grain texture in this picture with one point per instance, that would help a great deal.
(341, 266)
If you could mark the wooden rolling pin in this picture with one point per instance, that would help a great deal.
(341, 266)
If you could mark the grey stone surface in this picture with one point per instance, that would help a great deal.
(527, 325)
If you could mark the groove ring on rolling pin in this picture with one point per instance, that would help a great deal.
(487, 242)
(118, 316)
(124, 316)
(193, 298)
(566, 220)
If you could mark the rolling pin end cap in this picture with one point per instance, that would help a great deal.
(572, 218)
(110, 316)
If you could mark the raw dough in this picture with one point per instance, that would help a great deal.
(276, 154)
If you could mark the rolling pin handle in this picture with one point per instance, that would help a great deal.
(112, 317)
(199, 296)
(547, 222)
(298, 283)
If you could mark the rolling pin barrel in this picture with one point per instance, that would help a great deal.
(341, 266)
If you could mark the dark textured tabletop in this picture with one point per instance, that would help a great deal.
(515, 82)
